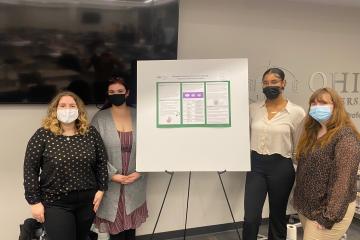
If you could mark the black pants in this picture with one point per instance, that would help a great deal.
(125, 235)
(70, 217)
(273, 175)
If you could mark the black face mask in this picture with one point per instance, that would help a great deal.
(117, 99)
(272, 92)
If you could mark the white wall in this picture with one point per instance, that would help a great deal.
(302, 37)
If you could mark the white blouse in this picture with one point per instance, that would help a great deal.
(277, 135)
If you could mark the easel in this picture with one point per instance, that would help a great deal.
(187, 203)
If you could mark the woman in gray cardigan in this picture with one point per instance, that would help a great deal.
(123, 208)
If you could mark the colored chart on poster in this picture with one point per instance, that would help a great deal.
(193, 104)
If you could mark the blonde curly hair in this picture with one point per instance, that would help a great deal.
(51, 122)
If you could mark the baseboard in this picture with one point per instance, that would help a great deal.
(204, 230)
(196, 231)
(192, 231)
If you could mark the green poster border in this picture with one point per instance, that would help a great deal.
(229, 102)
(181, 106)
(182, 125)
(205, 103)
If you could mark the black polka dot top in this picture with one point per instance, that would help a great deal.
(55, 165)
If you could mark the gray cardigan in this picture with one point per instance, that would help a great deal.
(135, 193)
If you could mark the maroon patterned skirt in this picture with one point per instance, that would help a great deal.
(123, 221)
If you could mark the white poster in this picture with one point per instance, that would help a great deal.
(190, 115)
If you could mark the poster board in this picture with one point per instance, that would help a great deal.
(193, 115)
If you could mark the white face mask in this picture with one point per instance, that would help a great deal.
(67, 115)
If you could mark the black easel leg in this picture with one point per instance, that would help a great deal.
(227, 200)
(162, 205)
(187, 204)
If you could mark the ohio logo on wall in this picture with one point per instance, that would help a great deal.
(347, 84)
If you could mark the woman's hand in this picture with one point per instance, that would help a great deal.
(37, 211)
(319, 226)
(97, 200)
(119, 178)
(132, 177)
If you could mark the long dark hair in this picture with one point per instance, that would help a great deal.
(113, 80)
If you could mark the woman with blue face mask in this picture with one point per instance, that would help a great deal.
(328, 156)
(274, 124)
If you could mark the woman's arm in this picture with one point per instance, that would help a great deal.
(298, 124)
(101, 162)
(347, 157)
(31, 171)
(110, 168)
(32, 166)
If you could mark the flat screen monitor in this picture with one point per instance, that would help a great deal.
(47, 46)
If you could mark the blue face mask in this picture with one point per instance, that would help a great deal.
(320, 113)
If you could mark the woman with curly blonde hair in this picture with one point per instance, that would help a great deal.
(328, 156)
(52, 123)
(65, 170)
